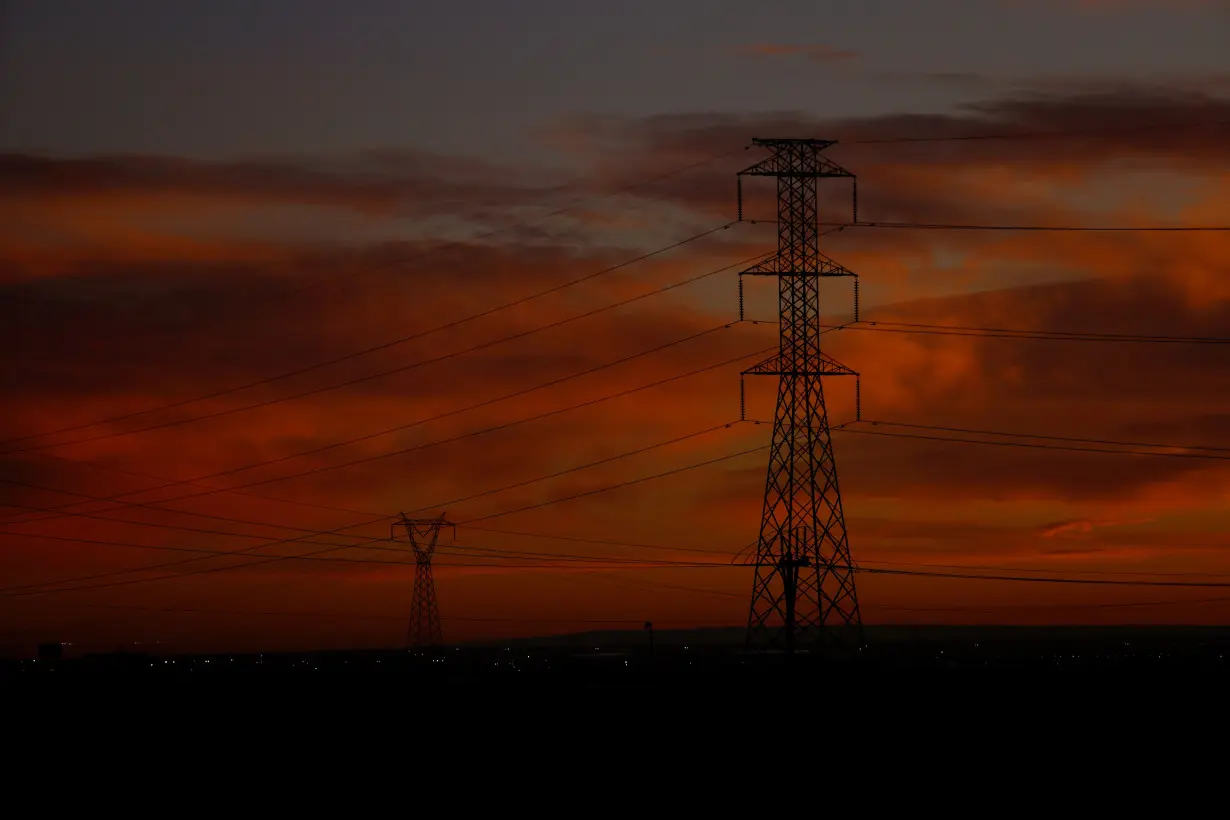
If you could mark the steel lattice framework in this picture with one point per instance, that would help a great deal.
(423, 534)
(803, 594)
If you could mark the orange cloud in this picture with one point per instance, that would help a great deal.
(1084, 526)
(122, 314)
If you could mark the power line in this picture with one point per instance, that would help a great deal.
(601, 541)
(430, 252)
(405, 426)
(386, 345)
(178, 527)
(1153, 574)
(616, 561)
(1115, 605)
(558, 473)
(728, 554)
(336, 360)
(462, 436)
(1006, 333)
(336, 548)
(618, 564)
(245, 552)
(466, 550)
(375, 616)
(384, 518)
(1060, 228)
(614, 486)
(1051, 438)
(634, 481)
(1037, 446)
(1081, 228)
(366, 544)
(1042, 580)
(399, 428)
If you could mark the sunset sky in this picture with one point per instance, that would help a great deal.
(197, 197)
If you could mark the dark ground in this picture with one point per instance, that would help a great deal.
(694, 658)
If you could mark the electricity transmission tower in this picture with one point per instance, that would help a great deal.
(803, 594)
(423, 533)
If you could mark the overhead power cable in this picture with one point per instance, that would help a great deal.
(378, 519)
(1082, 228)
(621, 564)
(311, 531)
(537, 479)
(438, 442)
(366, 437)
(364, 544)
(1012, 333)
(966, 576)
(1039, 446)
(261, 560)
(384, 346)
(1054, 228)
(599, 541)
(1050, 437)
(608, 488)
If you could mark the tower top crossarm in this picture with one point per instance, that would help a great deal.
(422, 533)
(795, 158)
(819, 145)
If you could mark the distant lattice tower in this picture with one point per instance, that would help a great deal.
(803, 593)
(423, 534)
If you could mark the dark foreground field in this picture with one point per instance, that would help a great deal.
(682, 658)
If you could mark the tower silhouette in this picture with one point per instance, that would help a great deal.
(803, 594)
(423, 534)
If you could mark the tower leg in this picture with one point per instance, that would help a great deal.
(803, 594)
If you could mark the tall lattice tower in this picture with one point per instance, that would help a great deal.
(803, 595)
(423, 534)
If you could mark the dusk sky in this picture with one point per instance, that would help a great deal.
(199, 196)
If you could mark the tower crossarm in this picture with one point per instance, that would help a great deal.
(795, 158)
(777, 265)
(423, 535)
(826, 366)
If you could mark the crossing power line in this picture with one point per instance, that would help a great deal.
(881, 326)
(531, 560)
(169, 483)
(425, 255)
(356, 354)
(472, 523)
(1160, 453)
(260, 560)
(437, 442)
(311, 531)
(932, 226)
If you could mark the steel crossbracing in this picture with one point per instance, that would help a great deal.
(803, 594)
(423, 534)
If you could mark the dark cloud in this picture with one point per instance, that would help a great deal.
(99, 336)
(377, 182)
(1180, 128)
